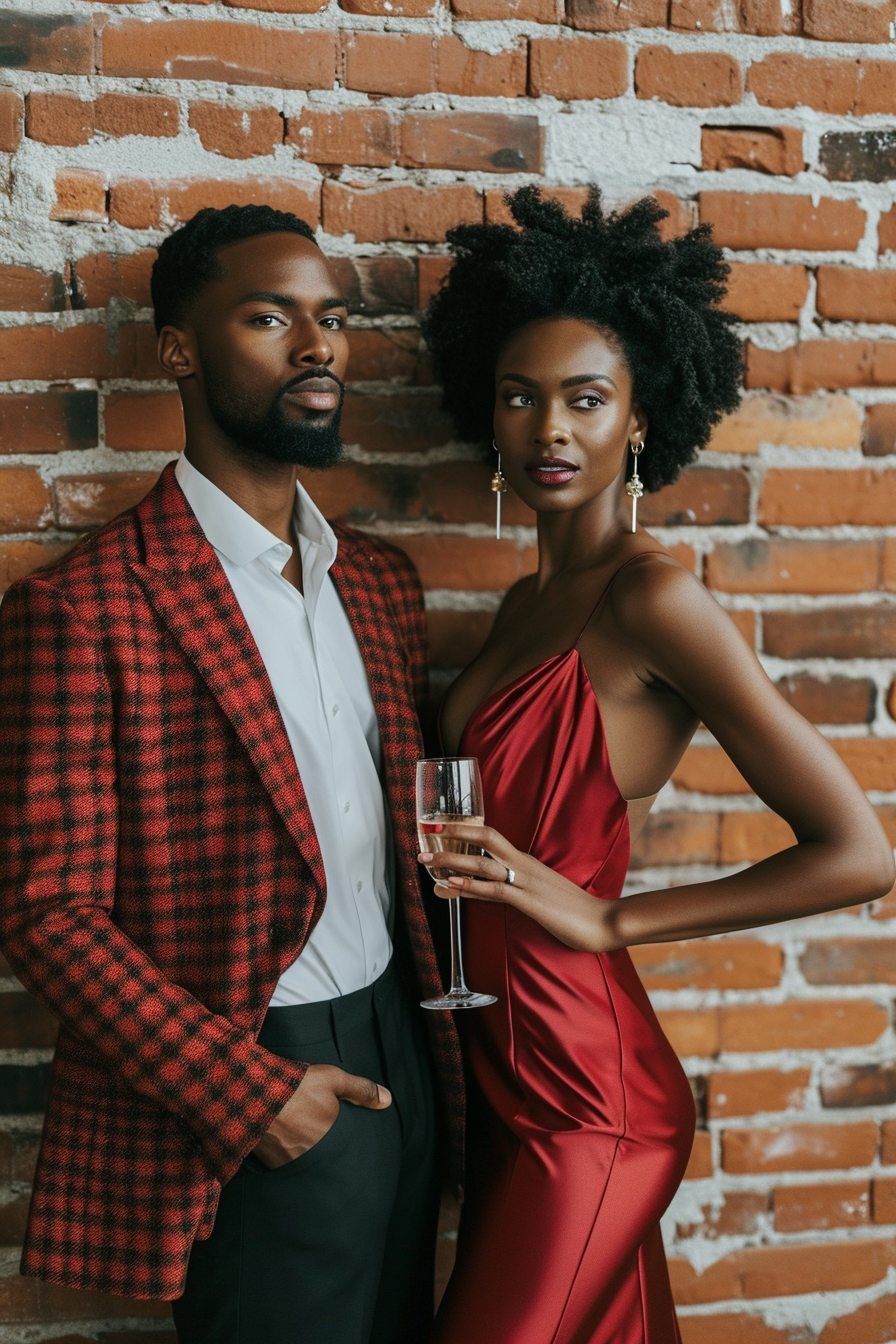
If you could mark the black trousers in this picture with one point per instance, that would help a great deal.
(337, 1246)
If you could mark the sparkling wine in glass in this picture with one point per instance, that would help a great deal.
(449, 789)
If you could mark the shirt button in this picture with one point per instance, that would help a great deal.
(346, 807)
(335, 710)
(358, 886)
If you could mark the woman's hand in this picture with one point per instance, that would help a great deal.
(572, 915)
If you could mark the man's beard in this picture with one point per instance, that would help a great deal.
(312, 442)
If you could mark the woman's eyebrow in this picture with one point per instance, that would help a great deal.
(567, 382)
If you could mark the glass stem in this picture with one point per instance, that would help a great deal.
(457, 960)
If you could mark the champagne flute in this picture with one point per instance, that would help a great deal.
(449, 789)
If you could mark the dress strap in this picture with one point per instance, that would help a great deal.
(609, 584)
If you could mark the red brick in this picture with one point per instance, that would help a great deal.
(362, 136)
(140, 204)
(747, 837)
(497, 210)
(25, 1024)
(848, 20)
(756, 1090)
(831, 699)
(732, 963)
(873, 1323)
(18, 558)
(416, 214)
(23, 290)
(237, 132)
(886, 230)
(774, 1271)
(682, 215)
(11, 118)
(531, 11)
(99, 278)
(701, 495)
(703, 16)
(765, 149)
(700, 1161)
(885, 907)
(671, 838)
(883, 1202)
(471, 564)
(65, 119)
(818, 498)
(799, 1148)
(479, 74)
(739, 1326)
(816, 1024)
(785, 79)
(766, 18)
(412, 9)
(144, 422)
(24, 500)
(889, 575)
(811, 365)
(377, 285)
(741, 1213)
(820, 421)
(615, 16)
(708, 770)
(876, 90)
(87, 501)
(383, 355)
(845, 293)
(879, 432)
(456, 637)
(274, 6)
(580, 69)
(766, 292)
(474, 141)
(396, 423)
(80, 195)
(769, 219)
(891, 699)
(231, 53)
(363, 494)
(26, 1147)
(745, 621)
(688, 79)
(786, 565)
(59, 44)
(691, 1031)
(78, 352)
(831, 632)
(47, 422)
(888, 1142)
(807, 1208)
(871, 760)
(850, 1085)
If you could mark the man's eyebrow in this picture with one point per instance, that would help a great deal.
(567, 382)
(285, 301)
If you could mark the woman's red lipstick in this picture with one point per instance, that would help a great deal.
(551, 471)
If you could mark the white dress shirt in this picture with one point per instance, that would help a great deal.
(312, 658)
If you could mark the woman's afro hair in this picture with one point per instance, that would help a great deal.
(658, 300)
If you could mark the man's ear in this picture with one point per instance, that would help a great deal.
(175, 356)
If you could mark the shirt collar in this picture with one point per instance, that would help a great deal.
(239, 537)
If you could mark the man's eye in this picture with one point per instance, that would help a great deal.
(266, 320)
(333, 323)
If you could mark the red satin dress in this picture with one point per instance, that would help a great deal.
(584, 1120)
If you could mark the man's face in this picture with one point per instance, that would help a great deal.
(272, 349)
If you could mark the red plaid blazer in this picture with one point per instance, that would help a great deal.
(159, 869)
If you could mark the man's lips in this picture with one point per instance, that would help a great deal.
(551, 471)
(315, 394)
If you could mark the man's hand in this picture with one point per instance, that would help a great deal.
(312, 1110)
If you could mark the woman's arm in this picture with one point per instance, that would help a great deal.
(680, 635)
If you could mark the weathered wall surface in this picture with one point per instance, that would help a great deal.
(384, 122)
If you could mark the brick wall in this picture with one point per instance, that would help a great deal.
(383, 122)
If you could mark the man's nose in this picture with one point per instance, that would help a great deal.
(311, 345)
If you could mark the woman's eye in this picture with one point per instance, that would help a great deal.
(521, 399)
(590, 401)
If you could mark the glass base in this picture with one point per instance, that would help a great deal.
(460, 998)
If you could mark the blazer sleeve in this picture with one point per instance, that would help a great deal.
(58, 853)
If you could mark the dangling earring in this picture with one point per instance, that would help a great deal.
(499, 486)
(635, 487)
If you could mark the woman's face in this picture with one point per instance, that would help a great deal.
(564, 414)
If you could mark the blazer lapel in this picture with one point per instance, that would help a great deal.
(385, 661)
(185, 583)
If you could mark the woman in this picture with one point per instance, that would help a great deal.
(577, 344)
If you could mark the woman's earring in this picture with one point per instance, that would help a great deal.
(635, 487)
(499, 486)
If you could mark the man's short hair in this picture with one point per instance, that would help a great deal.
(188, 258)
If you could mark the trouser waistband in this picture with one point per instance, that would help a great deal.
(304, 1023)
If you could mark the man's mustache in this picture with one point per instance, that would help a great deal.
(309, 374)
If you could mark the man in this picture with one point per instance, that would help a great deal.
(207, 855)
